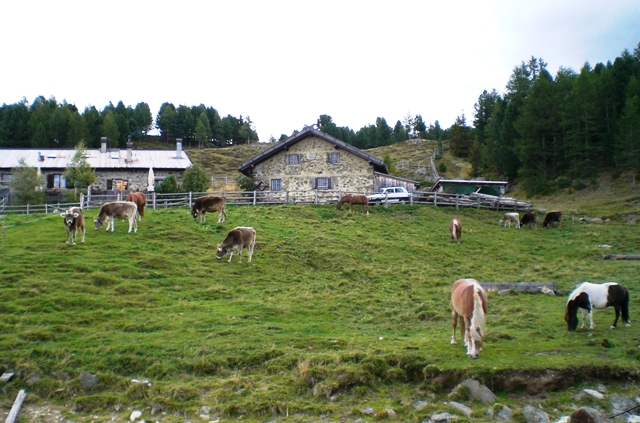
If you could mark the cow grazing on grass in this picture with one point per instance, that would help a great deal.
(74, 221)
(209, 203)
(455, 230)
(117, 210)
(554, 216)
(237, 239)
(531, 219)
(508, 218)
(140, 200)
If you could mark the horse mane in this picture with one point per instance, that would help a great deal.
(478, 317)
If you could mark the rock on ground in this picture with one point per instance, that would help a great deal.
(534, 415)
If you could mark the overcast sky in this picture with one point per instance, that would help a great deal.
(284, 63)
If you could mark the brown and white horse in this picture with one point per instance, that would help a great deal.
(469, 301)
(455, 230)
(352, 199)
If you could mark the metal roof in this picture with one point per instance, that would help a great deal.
(309, 131)
(467, 182)
(111, 159)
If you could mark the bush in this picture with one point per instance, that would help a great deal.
(579, 185)
(442, 167)
(245, 183)
(169, 185)
(563, 182)
(195, 179)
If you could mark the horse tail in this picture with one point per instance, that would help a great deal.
(625, 306)
(478, 316)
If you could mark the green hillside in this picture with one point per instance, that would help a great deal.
(336, 312)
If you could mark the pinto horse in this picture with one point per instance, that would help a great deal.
(591, 295)
(352, 199)
(455, 230)
(140, 200)
(469, 301)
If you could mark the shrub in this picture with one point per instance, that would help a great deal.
(169, 185)
(245, 183)
(442, 167)
(195, 179)
(563, 182)
(579, 185)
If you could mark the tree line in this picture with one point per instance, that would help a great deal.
(546, 131)
(47, 123)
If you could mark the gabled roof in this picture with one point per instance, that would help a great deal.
(310, 131)
(111, 159)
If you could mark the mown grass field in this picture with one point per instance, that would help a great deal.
(336, 311)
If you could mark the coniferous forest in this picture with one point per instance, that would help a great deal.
(542, 131)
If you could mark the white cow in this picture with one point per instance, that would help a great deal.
(508, 218)
(117, 210)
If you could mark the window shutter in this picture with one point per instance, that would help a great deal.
(314, 183)
(329, 185)
(328, 157)
(50, 181)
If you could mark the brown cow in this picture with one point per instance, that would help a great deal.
(455, 230)
(117, 210)
(237, 239)
(140, 200)
(209, 203)
(554, 216)
(74, 220)
(531, 219)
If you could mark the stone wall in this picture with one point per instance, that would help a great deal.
(136, 179)
(352, 173)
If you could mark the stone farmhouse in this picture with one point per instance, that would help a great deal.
(112, 165)
(313, 160)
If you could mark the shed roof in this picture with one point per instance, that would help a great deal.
(467, 182)
(310, 131)
(111, 159)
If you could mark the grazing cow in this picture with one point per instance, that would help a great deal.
(140, 200)
(508, 218)
(117, 210)
(555, 216)
(73, 220)
(209, 203)
(531, 219)
(237, 239)
(455, 230)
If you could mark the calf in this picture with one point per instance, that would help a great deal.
(508, 218)
(554, 216)
(531, 219)
(73, 220)
(140, 200)
(237, 239)
(117, 210)
(455, 230)
(209, 203)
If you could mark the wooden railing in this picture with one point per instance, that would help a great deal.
(253, 198)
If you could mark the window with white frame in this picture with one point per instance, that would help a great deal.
(333, 157)
(276, 185)
(56, 180)
(322, 183)
(292, 159)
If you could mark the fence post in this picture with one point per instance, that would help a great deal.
(286, 201)
(189, 198)
(82, 201)
(255, 195)
(456, 201)
(435, 199)
(498, 204)
(154, 200)
(315, 195)
(27, 208)
(478, 203)
(411, 199)
(2, 236)
(386, 200)
(89, 192)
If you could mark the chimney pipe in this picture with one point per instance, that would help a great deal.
(178, 147)
(103, 144)
(129, 151)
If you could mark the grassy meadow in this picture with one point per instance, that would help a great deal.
(336, 312)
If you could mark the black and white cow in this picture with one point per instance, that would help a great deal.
(74, 221)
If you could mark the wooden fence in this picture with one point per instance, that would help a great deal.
(253, 198)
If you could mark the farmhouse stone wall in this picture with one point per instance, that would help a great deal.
(136, 179)
(352, 173)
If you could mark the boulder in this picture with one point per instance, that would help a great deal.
(587, 415)
(534, 415)
(620, 404)
(477, 391)
(461, 408)
(87, 380)
(504, 414)
(418, 405)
